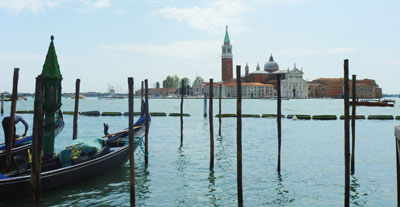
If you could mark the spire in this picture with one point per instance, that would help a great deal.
(247, 66)
(258, 67)
(226, 40)
(51, 67)
(271, 58)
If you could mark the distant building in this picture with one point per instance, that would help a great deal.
(334, 88)
(294, 86)
(159, 92)
(263, 84)
(249, 90)
(197, 89)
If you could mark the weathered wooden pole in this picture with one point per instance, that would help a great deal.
(397, 130)
(346, 136)
(210, 117)
(75, 126)
(182, 94)
(2, 103)
(141, 98)
(37, 141)
(353, 125)
(11, 131)
(131, 143)
(220, 105)
(278, 120)
(239, 137)
(146, 146)
(205, 105)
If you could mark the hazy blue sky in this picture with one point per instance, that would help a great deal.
(104, 41)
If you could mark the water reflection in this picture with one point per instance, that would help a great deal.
(211, 189)
(181, 164)
(142, 184)
(282, 198)
(356, 198)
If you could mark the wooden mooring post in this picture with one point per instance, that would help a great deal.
(353, 125)
(76, 109)
(220, 105)
(141, 98)
(346, 136)
(278, 120)
(182, 94)
(146, 136)
(239, 137)
(397, 137)
(37, 141)
(210, 116)
(131, 143)
(2, 103)
(11, 132)
(205, 105)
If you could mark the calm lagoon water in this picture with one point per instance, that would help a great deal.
(312, 162)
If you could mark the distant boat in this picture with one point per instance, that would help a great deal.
(80, 97)
(380, 103)
(112, 95)
(273, 98)
(7, 97)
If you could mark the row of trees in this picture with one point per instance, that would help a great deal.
(175, 82)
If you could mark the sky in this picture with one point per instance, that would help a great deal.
(103, 42)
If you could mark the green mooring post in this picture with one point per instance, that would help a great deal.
(51, 77)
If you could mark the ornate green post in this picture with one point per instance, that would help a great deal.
(51, 77)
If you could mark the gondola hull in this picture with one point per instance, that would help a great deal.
(113, 154)
(18, 187)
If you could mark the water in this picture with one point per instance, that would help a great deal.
(312, 162)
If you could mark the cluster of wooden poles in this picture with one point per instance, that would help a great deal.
(145, 94)
(37, 135)
(37, 131)
(349, 161)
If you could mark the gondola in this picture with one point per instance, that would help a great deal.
(22, 145)
(55, 173)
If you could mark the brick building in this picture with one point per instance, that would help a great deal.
(334, 87)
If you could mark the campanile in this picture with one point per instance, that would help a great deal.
(226, 58)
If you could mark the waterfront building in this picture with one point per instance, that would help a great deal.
(334, 88)
(294, 86)
(258, 83)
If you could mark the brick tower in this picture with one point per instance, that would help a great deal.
(226, 57)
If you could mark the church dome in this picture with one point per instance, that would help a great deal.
(271, 65)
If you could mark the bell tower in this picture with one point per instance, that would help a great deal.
(226, 57)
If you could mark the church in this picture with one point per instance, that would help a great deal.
(258, 83)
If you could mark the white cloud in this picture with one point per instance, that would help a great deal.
(210, 18)
(19, 5)
(101, 4)
(308, 52)
(37, 5)
(195, 49)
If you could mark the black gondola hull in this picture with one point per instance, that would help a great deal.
(20, 186)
